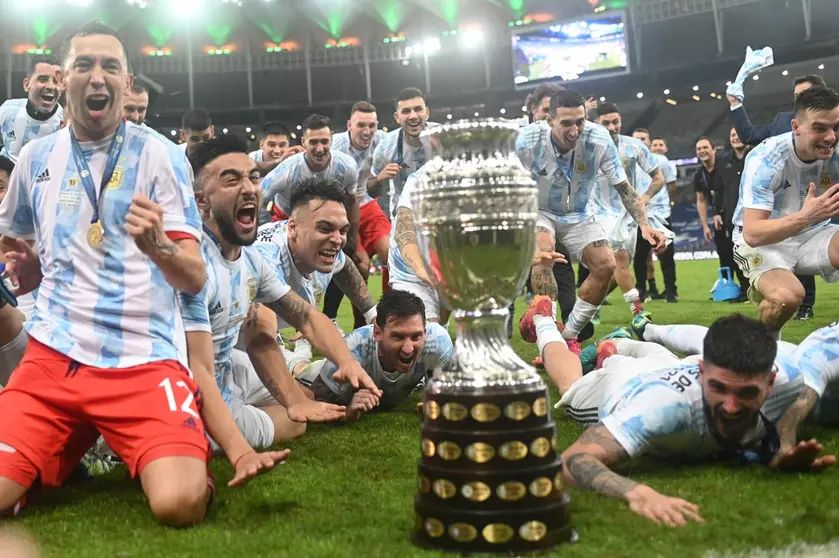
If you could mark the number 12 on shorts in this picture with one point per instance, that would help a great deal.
(186, 406)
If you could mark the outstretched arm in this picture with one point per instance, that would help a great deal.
(350, 281)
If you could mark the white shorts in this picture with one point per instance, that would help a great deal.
(428, 295)
(575, 236)
(584, 401)
(804, 254)
(248, 394)
(11, 355)
(622, 232)
(309, 374)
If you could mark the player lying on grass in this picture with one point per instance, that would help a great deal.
(265, 402)
(723, 406)
(398, 352)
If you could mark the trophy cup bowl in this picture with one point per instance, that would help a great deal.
(490, 477)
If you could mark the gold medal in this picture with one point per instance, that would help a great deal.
(541, 487)
(475, 491)
(533, 531)
(540, 447)
(463, 532)
(540, 407)
(432, 409)
(444, 489)
(428, 448)
(424, 485)
(511, 491)
(480, 452)
(454, 412)
(558, 481)
(498, 533)
(517, 410)
(95, 234)
(485, 412)
(513, 451)
(434, 528)
(449, 451)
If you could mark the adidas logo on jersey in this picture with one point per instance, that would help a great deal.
(543, 172)
(12, 135)
(217, 309)
(43, 177)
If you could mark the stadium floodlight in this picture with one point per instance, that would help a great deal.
(248, 130)
(477, 114)
(503, 111)
(224, 130)
(639, 95)
(785, 73)
(173, 133)
(524, 108)
(471, 38)
(602, 99)
(431, 45)
(299, 127)
(756, 77)
(186, 8)
(821, 66)
(696, 88)
(666, 91)
(448, 117)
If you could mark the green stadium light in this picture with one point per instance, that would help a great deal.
(328, 45)
(386, 40)
(269, 49)
(226, 51)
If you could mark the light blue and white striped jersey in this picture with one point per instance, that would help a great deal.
(397, 266)
(278, 184)
(638, 163)
(413, 157)
(565, 181)
(222, 305)
(18, 128)
(775, 179)
(109, 307)
(662, 412)
(659, 205)
(257, 156)
(364, 159)
(396, 386)
(272, 242)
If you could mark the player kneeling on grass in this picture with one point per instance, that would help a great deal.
(398, 352)
(720, 407)
(263, 400)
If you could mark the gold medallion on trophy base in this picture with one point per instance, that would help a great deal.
(485, 412)
(540, 407)
(444, 488)
(517, 410)
(480, 452)
(475, 491)
(454, 412)
(463, 532)
(424, 485)
(432, 409)
(513, 451)
(511, 491)
(498, 533)
(448, 451)
(533, 531)
(434, 528)
(541, 487)
(540, 447)
(428, 448)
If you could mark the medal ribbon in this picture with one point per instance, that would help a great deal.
(114, 152)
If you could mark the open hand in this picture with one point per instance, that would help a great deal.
(673, 512)
(253, 464)
(805, 456)
(316, 411)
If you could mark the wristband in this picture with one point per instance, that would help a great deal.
(370, 315)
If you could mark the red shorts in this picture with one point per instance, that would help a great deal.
(277, 214)
(54, 409)
(373, 225)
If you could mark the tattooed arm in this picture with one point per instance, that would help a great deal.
(324, 336)
(406, 240)
(633, 203)
(542, 280)
(585, 465)
(350, 281)
(797, 412)
(656, 185)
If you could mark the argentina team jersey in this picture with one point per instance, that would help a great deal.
(396, 386)
(18, 128)
(817, 358)
(272, 242)
(222, 305)
(565, 181)
(109, 307)
(278, 184)
(775, 179)
(638, 164)
(662, 412)
(257, 156)
(397, 266)
(410, 158)
(659, 205)
(364, 159)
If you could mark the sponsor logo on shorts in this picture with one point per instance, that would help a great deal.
(190, 424)
(757, 259)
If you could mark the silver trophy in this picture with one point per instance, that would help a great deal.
(490, 478)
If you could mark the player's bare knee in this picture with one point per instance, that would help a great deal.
(180, 505)
(790, 296)
(295, 430)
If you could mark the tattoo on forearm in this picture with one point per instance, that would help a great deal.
(251, 319)
(543, 282)
(350, 281)
(293, 309)
(405, 232)
(797, 412)
(632, 202)
(164, 246)
(591, 473)
(270, 384)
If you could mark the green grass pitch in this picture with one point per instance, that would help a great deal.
(348, 490)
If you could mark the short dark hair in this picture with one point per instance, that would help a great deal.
(315, 189)
(408, 93)
(816, 99)
(139, 87)
(275, 129)
(545, 90)
(363, 106)
(196, 119)
(316, 122)
(706, 138)
(41, 59)
(607, 108)
(652, 139)
(398, 304)
(88, 30)
(566, 99)
(740, 344)
(812, 79)
(6, 165)
(208, 151)
(641, 131)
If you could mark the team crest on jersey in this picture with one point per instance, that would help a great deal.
(581, 167)
(625, 161)
(826, 181)
(318, 298)
(253, 285)
(116, 179)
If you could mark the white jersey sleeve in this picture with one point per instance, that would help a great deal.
(172, 190)
(276, 186)
(817, 358)
(16, 219)
(667, 168)
(761, 177)
(609, 162)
